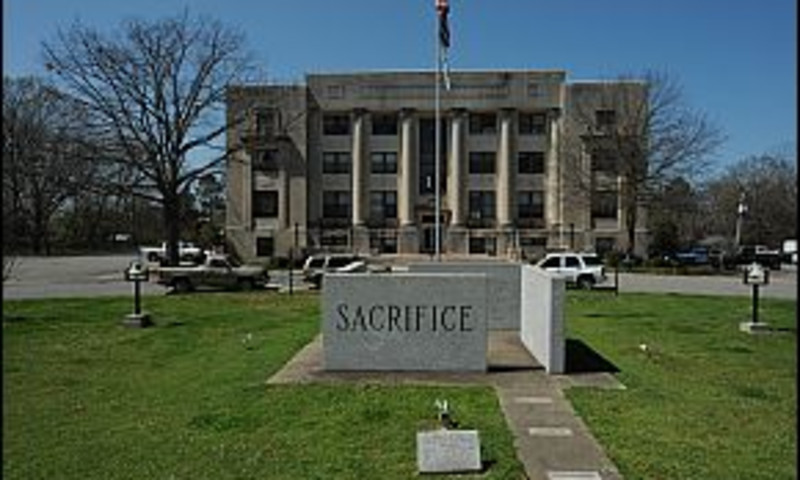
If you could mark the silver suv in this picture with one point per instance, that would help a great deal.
(317, 265)
(582, 269)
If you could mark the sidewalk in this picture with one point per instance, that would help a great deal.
(551, 441)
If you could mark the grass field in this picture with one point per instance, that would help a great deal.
(705, 401)
(84, 397)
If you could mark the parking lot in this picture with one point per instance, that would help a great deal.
(89, 276)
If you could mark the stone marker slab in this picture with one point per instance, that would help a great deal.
(503, 286)
(404, 322)
(448, 451)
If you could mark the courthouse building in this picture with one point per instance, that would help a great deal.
(346, 162)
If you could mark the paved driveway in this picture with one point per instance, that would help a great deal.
(83, 276)
(783, 284)
(88, 276)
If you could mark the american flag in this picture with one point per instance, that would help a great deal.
(443, 8)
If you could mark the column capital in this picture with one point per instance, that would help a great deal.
(408, 112)
(359, 111)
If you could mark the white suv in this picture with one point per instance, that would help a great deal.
(582, 269)
(316, 266)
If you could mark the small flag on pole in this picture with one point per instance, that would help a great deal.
(443, 9)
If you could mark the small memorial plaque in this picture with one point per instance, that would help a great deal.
(448, 451)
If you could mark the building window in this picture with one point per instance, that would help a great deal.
(336, 162)
(384, 124)
(530, 204)
(482, 162)
(530, 162)
(482, 123)
(383, 242)
(383, 162)
(532, 123)
(265, 204)
(481, 207)
(334, 239)
(604, 160)
(265, 246)
(266, 122)
(604, 204)
(336, 204)
(485, 245)
(336, 124)
(532, 242)
(605, 118)
(383, 205)
(266, 161)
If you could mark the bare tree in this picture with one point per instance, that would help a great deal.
(157, 90)
(47, 158)
(769, 185)
(638, 131)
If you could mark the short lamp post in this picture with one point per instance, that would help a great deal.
(755, 275)
(136, 273)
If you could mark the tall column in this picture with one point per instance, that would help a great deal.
(456, 188)
(506, 170)
(407, 172)
(360, 175)
(552, 180)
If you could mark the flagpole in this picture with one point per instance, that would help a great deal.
(437, 145)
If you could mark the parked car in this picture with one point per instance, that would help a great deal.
(187, 252)
(789, 251)
(316, 266)
(761, 254)
(217, 271)
(584, 270)
(690, 256)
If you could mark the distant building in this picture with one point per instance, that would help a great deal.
(347, 162)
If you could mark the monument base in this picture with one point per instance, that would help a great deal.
(137, 320)
(754, 327)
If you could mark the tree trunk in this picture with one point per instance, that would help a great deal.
(172, 228)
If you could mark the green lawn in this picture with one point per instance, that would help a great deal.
(707, 402)
(84, 397)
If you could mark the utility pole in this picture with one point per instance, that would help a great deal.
(741, 210)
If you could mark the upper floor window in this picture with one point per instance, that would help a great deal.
(532, 124)
(265, 204)
(384, 124)
(266, 161)
(383, 162)
(482, 123)
(481, 162)
(605, 118)
(336, 162)
(530, 162)
(266, 122)
(604, 160)
(336, 124)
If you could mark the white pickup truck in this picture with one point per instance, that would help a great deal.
(217, 271)
(187, 252)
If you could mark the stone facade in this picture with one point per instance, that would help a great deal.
(346, 162)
